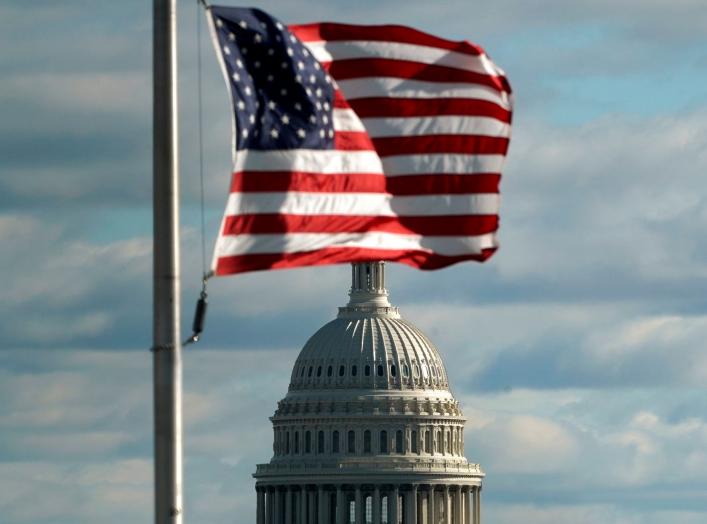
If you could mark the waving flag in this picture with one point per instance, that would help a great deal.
(355, 143)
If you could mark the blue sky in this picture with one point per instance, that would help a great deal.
(577, 350)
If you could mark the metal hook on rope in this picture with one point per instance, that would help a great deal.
(202, 305)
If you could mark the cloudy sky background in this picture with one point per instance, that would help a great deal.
(577, 351)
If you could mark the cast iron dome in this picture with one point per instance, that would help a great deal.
(369, 431)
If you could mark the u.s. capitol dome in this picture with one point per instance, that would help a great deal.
(369, 432)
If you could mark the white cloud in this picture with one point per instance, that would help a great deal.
(510, 513)
(565, 437)
(525, 444)
(612, 199)
(112, 492)
(85, 92)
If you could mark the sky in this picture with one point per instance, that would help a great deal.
(577, 351)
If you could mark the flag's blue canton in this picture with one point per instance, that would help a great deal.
(282, 97)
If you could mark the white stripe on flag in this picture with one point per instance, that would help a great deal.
(326, 161)
(442, 163)
(361, 204)
(330, 51)
(436, 125)
(234, 245)
(347, 120)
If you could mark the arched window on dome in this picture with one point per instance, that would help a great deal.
(335, 442)
(399, 441)
(392, 370)
(320, 442)
(287, 443)
(406, 371)
(351, 441)
(367, 370)
(354, 370)
(308, 442)
(413, 441)
(319, 371)
(383, 444)
(428, 441)
(296, 442)
(310, 371)
(438, 441)
(302, 372)
(329, 371)
(342, 370)
(447, 440)
(380, 370)
(416, 371)
(367, 441)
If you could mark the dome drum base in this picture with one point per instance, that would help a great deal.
(368, 503)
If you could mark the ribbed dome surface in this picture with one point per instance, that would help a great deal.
(368, 345)
(380, 351)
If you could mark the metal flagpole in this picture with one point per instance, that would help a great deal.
(167, 365)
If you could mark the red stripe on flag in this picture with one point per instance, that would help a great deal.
(380, 33)
(438, 184)
(467, 144)
(418, 259)
(281, 181)
(352, 141)
(451, 225)
(406, 185)
(403, 107)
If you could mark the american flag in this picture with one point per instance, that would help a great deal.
(354, 143)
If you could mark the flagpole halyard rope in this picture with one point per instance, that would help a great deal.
(200, 106)
(201, 304)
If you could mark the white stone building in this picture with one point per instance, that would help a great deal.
(368, 432)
